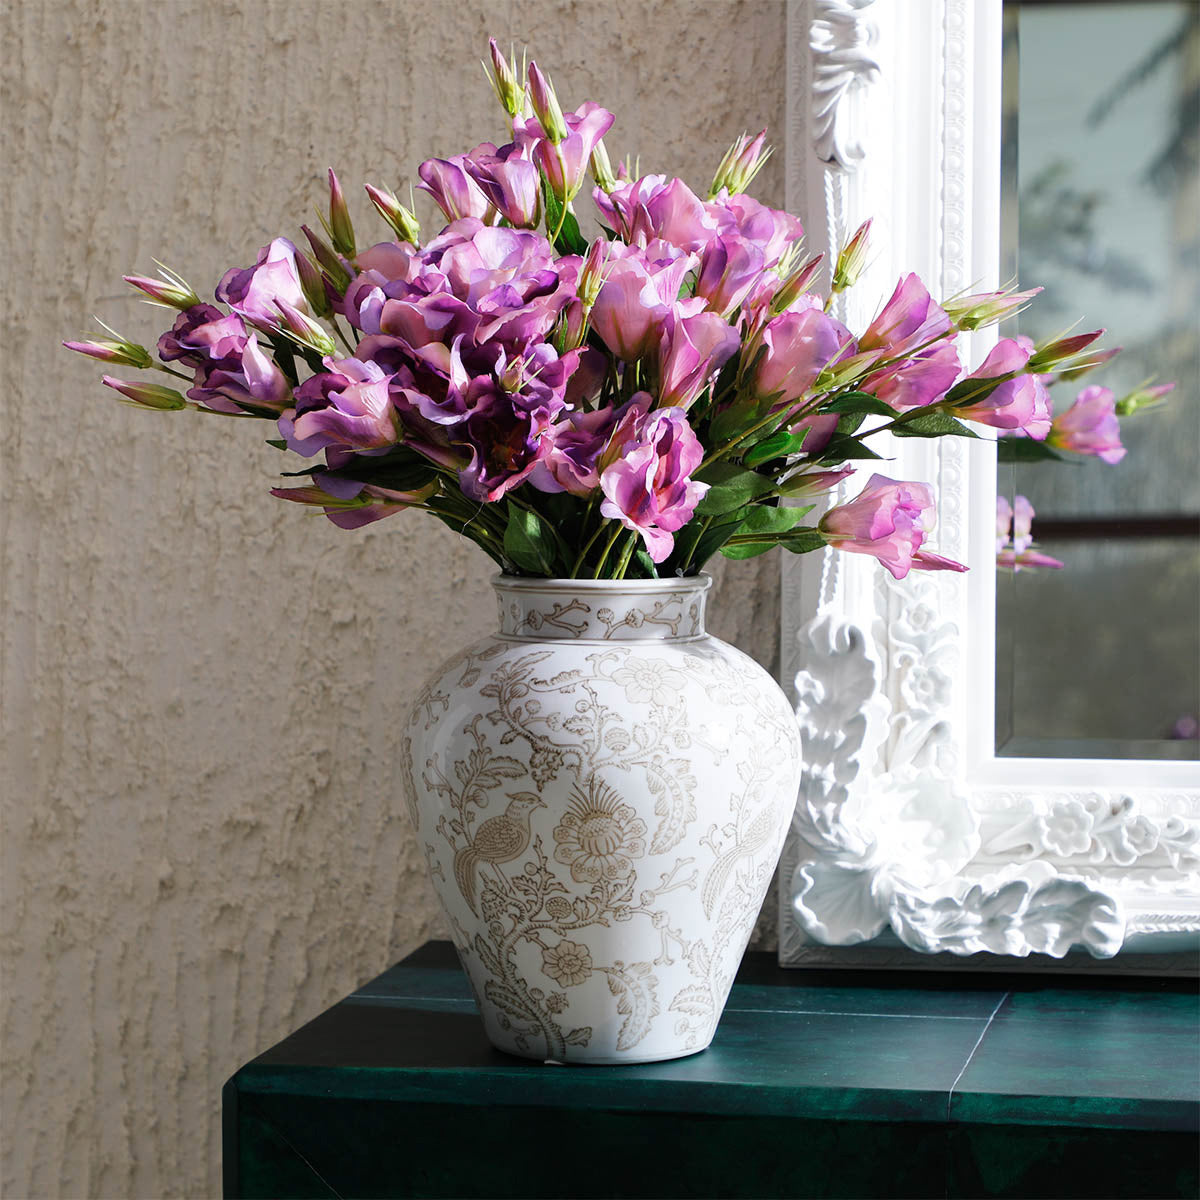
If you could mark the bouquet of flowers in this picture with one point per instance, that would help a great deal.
(622, 407)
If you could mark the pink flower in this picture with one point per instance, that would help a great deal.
(252, 293)
(248, 380)
(511, 183)
(656, 207)
(821, 428)
(456, 193)
(692, 350)
(909, 319)
(638, 293)
(799, 346)
(770, 229)
(347, 407)
(1018, 553)
(565, 165)
(1090, 426)
(649, 486)
(888, 520)
(571, 450)
(730, 268)
(917, 382)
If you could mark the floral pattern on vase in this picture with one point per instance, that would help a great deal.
(602, 791)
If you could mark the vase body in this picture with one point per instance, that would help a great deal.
(602, 791)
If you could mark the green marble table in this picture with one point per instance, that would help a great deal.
(819, 1083)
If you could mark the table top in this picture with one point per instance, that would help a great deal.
(873, 1046)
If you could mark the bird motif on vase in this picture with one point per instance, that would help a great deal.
(748, 842)
(497, 841)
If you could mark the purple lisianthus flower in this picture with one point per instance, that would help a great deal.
(799, 346)
(729, 269)
(648, 487)
(456, 193)
(655, 207)
(1019, 404)
(249, 380)
(203, 335)
(923, 379)
(511, 182)
(252, 293)
(888, 520)
(770, 229)
(573, 445)
(1090, 426)
(348, 407)
(504, 442)
(565, 165)
(350, 504)
(691, 351)
(638, 293)
(909, 319)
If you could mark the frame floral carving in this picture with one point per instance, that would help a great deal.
(910, 834)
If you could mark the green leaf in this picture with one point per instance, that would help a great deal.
(647, 564)
(778, 445)
(934, 424)
(803, 541)
(840, 449)
(859, 402)
(737, 418)
(741, 550)
(732, 488)
(280, 444)
(528, 542)
(709, 542)
(569, 240)
(403, 470)
(768, 519)
(1026, 450)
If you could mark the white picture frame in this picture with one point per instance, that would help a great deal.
(910, 834)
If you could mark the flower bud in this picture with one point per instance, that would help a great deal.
(742, 162)
(601, 168)
(852, 259)
(148, 395)
(171, 291)
(986, 308)
(339, 228)
(1049, 354)
(116, 350)
(571, 330)
(593, 272)
(545, 105)
(303, 329)
(312, 284)
(324, 253)
(795, 285)
(1142, 397)
(402, 220)
(508, 91)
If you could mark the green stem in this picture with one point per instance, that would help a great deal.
(701, 530)
(341, 336)
(616, 533)
(171, 371)
(587, 516)
(626, 555)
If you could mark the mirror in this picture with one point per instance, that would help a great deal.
(913, 840)
(1101, 205)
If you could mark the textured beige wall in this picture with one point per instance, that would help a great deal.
(202, 846)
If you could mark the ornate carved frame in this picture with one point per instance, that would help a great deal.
(909, 831)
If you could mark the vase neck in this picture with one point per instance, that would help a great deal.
(602, 610)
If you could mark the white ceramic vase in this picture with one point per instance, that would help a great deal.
(602, 791)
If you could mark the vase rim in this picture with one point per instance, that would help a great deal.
(673, 583)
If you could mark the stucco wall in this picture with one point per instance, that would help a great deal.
(202, 841)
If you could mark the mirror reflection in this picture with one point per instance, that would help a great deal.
(1098, 657)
